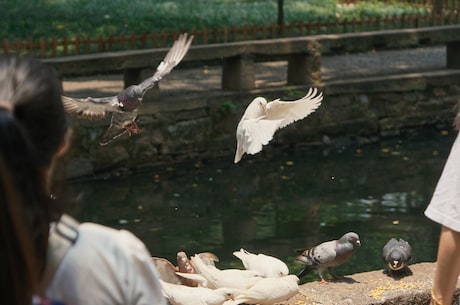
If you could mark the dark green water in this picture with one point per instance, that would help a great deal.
(279, 201)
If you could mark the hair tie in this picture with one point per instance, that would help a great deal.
(6, 106)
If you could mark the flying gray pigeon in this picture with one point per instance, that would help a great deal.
(261, 120)
(124, 106)
(397, 253)
(328, 255)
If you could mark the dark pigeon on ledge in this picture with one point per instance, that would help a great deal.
(124, 106)
(397, 253)
(328, 255)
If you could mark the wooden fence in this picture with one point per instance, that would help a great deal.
(55, 47)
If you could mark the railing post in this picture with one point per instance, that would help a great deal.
(453, 58)
(238, 73)
(305, 68)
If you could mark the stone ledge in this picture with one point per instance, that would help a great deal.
(372, 287)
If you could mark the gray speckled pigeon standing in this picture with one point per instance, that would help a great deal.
(328, 255)
(124, 106)
(397, 253)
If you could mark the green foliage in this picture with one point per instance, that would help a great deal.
(227, 107)
(47, 18)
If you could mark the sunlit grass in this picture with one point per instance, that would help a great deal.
(47, 18)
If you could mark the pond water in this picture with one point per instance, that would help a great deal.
(279, 201)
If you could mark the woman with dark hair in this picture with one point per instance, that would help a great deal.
(29, 111)
(43, 252)
(444, 209)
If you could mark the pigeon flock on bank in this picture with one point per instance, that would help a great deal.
(264, 279)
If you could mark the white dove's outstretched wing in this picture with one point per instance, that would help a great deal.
(252, 134)
(296, 110)
(91, 108)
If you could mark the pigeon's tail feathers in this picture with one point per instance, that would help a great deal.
(304, 272)
(305, 259)
(112, 133)
(240, 254)
(239, 152)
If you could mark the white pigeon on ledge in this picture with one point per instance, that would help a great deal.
(230, 278)
(267, 266)
(185, 295)
(267, 291)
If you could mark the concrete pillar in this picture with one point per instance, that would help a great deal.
(238, 73)
(453, 55)
(132, 76)
(303, 69)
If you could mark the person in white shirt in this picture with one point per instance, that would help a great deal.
(45, 254)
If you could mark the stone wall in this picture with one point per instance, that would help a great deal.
(202, 126)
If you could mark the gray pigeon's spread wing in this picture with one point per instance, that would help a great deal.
(91, 108)
(322, 255)
(295, 110)
(172, 59)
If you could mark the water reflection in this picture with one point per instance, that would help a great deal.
(277, 202)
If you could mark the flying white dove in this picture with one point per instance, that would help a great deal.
(270, 290)
(185, 295)
(268, 266)
(123, 107)
(261, 120)
(231, 278)
(328, 255)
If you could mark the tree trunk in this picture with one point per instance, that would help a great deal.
(437, 6)
(280, 12)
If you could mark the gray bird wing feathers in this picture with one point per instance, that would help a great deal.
(323, 254)
(172, 59)
(91, 108)
(296, 110)
(99, 108)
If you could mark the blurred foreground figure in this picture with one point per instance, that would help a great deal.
(444, 209)
(43, 251)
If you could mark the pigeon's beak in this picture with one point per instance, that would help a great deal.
(358, 243)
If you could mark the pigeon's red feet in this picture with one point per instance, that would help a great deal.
(323, 281)
(132, 128)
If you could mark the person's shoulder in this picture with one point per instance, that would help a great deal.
(118, 237)
(36, 300)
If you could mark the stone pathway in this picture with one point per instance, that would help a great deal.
(270, 74)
